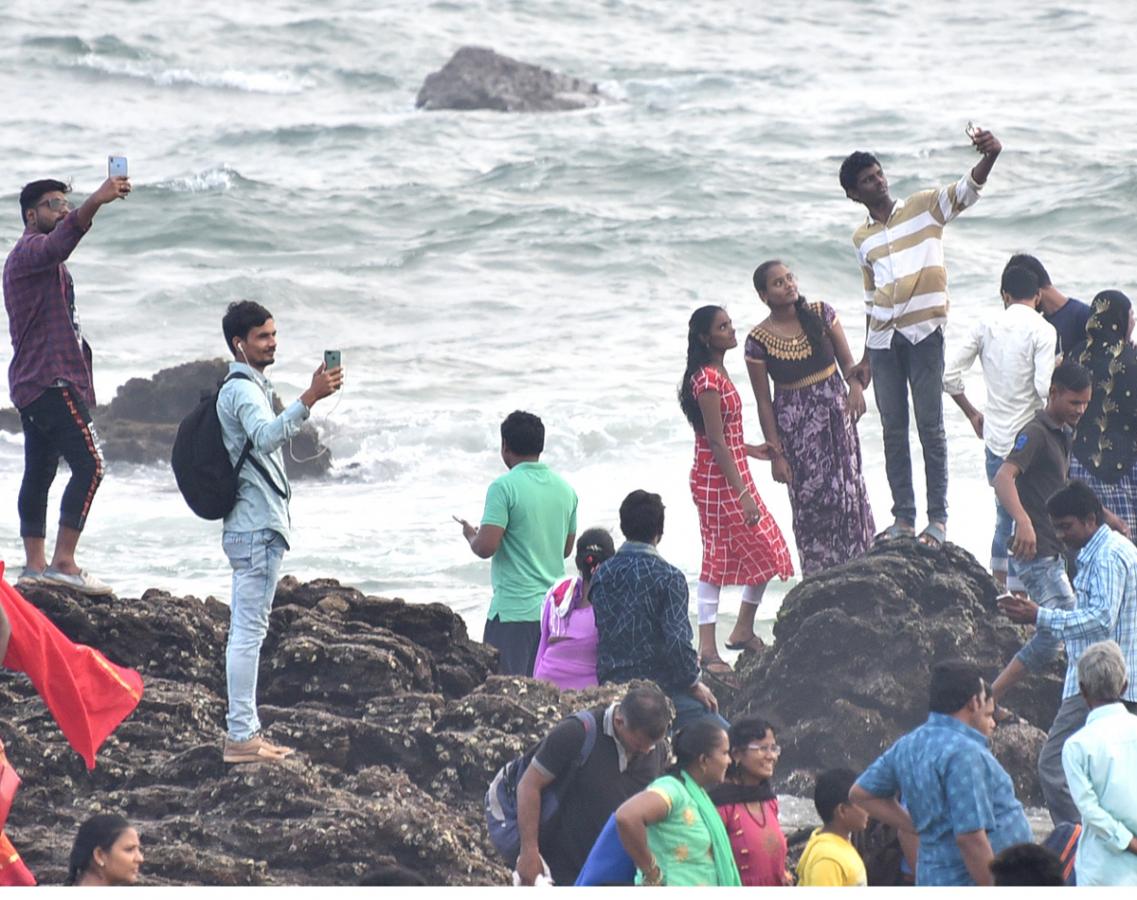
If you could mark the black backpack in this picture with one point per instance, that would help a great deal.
(205, 476)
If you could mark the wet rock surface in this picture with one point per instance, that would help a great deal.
(849, 669)
(139, 424)
(397, 723)
(479, 78)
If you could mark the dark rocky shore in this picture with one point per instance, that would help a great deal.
(399, 725)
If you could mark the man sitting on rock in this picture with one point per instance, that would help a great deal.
(629, 754)
(640, 603)
(959, 799)
(1105, 608)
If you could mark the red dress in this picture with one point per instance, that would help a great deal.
(733, 551)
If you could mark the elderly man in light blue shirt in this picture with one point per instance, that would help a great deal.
(257, 530)
(1101, 769)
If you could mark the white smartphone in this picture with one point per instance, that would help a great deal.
(116, 167)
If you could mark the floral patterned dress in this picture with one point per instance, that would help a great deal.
(833, 520)
(734, 552)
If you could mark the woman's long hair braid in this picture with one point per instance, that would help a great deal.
(698, 356)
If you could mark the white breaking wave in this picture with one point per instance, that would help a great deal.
(275, 81)
(219, 179)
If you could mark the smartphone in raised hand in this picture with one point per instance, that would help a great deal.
(331, 359)
(116, 167)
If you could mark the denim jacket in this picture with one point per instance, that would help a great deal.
(244, 409)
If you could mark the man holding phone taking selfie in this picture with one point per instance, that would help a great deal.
(50, 376)
(257, 530)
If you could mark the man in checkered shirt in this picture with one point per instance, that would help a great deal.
(1105, 585)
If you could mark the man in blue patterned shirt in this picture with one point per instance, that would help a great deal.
(959, 800)
(640, 604)
(1105, 609)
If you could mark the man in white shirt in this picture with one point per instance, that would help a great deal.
(1100, 762)
(1015, 347)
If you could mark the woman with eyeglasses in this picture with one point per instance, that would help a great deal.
(671, 830)
(749, 808)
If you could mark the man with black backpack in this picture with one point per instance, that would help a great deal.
(256, 530)
(628, 754)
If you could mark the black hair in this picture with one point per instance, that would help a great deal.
(641, 516)
(1027, 865)
(645, 710)
(1019, 283)
(34, 190)
(523, 433)
(592, 548)
(240, 318)
(1070, 376)
(745, 729)
(1076, 499)
(694, 740)
(392, 875)
(854, 164)
(831, 790)
(100, 831)
(811, 323)
(1026, 261)
(954, 683)
(698, 355)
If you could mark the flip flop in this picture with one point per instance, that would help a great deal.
(894, 531)
(719, 672)
(752, 644)
(934, 535)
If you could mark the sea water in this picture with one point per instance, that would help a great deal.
(472, 263)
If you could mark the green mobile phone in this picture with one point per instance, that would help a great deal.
(331, 359)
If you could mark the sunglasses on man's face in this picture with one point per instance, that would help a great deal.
(55, 204)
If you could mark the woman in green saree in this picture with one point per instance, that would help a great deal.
(671, 830)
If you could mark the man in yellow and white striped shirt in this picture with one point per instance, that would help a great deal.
(900, 251)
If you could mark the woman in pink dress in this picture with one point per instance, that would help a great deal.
(742, 543)
(566, 653)
(748, 806)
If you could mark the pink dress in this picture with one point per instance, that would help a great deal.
(566, 654)
(758, 843)
(733, 551)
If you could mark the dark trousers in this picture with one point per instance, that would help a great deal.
(57, 424)
(921, 367)
(516, 643)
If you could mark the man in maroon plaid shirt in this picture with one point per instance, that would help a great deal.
(50, 376)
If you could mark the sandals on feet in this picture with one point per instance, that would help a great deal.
(934, 535)
(752, 644)
(894, 531)
(719, 672)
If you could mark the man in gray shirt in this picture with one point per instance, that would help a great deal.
(256, 531)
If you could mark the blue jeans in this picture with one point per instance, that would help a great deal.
(688, 709)
(1004, 524)
(256, 557)
(1045, 580)
(921, 366)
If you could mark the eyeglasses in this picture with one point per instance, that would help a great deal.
(55, 204)
(771, 749)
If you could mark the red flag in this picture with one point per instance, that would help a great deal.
(13, 872)
(88, 695)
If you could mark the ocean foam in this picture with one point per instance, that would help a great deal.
(221, 178)
(271, 81)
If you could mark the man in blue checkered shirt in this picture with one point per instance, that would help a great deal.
(1105, 585)
(956, 796)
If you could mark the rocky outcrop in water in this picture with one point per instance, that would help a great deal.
(139, 424)
(479, 78)
(848, 672)
(397, 726)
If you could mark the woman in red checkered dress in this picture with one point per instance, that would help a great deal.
(742, 543)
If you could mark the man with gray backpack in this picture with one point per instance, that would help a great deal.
(545, 809)
(256, 529)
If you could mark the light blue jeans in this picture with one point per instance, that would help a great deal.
(1045, 580)
(1004, 524)
(256, 557)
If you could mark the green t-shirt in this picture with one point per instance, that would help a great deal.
(537, 509)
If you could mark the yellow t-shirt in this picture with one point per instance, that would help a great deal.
(830, 861)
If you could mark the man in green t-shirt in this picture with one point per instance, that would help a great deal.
(528, 527)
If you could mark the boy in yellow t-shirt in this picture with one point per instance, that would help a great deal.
(829, 860)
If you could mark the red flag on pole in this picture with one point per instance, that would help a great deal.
(87, 694)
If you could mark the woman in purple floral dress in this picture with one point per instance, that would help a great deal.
(811, 419)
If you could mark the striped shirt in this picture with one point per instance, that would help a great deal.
(1106, 608)
(902, 261)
